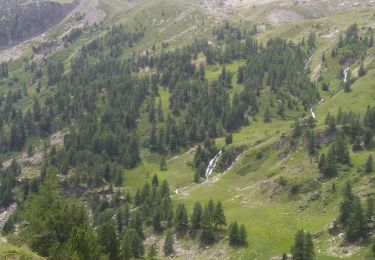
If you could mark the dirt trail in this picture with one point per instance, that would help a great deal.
(178, 156)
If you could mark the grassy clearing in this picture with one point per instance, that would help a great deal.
(8, 251)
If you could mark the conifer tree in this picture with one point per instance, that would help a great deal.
(155, 181)
(233, 234)
(196, 217)
(267, 116)
(108, 239)
(168, 244)
(242, 234)
(309, 247)
(219, 217)
(369, 166)
(181, 218)
(298, 249)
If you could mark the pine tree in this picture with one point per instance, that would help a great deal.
(356, 225)
(309, 248)
(163, 164)
(369, 166)
(298, 249)
(242, 234)
(156, 221)
(196, 217)
(361, 70)
(370, 209)
(155, 181)
(219, 217)
(181, 218)
(160, 111)
(267, 116)
(229, 139)
(168, 244)
(133, 242)
(233, 234)
(202, 72)
(108, 239)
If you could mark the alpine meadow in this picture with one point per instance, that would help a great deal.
(187, 129)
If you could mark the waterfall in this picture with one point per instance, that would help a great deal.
(346, 74)
(212, 165)
(312, 113)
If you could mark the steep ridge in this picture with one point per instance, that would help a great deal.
(22, 20)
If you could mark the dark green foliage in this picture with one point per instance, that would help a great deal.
(369, 166)
(54, 222)
(219, 217)
(370, 214)
(108, 240)
(82, 244)
(352, 216)
(152, 253)
(303, 248)
(227, 158)
(197, 216)
(8, 180)
(338, 153)
(361, 70)
(353, 46)
(181, 219)
(168, 244)
(237, 235)
(267, 116)
(229, 139)
(4, 70)
(163, 164)
(233, 234)
(132, 242)
(55, 69)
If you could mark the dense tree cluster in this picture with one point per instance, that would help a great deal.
(338, 153)
(354, 44)
(60, 227)
(352, 216)
(73, 35)
(237, 234)
(8, 180)
(303, 248)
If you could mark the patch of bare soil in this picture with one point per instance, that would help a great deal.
(278, 17)
(187, 249)
(223, 8)
(316, 72)
(36, 159)
(336, 248)
(193, 149)
(6, 213)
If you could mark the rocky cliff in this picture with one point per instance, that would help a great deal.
(23, 19)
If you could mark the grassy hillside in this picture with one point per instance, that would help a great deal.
(272, 189)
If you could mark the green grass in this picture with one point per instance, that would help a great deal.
(8, 251)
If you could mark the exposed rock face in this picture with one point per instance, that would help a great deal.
(22, 19)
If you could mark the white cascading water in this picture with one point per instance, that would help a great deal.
(346, 74)
(212, 165)
(312, 113)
